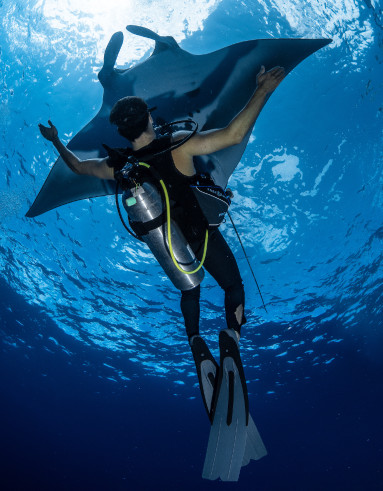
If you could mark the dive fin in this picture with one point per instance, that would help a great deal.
(227, 441)
(207, 371)
(255, 448)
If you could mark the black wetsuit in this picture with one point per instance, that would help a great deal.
(220, 261)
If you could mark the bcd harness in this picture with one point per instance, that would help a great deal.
(212, 200)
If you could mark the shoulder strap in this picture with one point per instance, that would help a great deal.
(117, 156)
(157, 147)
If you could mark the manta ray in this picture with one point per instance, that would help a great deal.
(210, 89)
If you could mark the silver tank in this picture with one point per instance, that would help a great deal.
(144, 204)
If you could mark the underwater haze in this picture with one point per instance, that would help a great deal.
(98, 384)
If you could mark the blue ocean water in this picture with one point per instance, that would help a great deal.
(97, 382)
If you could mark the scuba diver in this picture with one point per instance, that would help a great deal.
(169, 159)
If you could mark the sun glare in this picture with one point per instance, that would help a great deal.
(99, 19)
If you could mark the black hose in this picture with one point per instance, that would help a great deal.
(247, 259)
(121, 217)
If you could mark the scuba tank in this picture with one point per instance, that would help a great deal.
(149, 217)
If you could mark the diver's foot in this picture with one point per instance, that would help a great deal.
(192, 338)
(237, 334)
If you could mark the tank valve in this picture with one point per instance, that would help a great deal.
(131, 201)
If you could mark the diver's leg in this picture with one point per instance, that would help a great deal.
(227, 447)
(221, 264)
(234, 306)
(204, 361)
(230, 445)
(190, 310)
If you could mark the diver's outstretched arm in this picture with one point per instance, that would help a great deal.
(211, 141)
(91, 167)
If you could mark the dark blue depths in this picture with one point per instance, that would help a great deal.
(67, 425)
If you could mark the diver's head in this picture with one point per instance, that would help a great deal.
(132, 117)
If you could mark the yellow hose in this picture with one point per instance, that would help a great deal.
(168, 219)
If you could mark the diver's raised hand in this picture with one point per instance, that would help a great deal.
(48, 133)
(270, 80)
